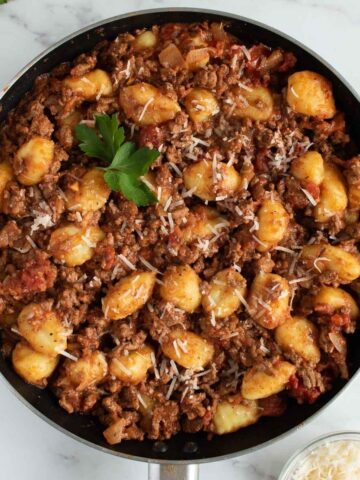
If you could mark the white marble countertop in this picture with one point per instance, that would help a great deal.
(29, 447)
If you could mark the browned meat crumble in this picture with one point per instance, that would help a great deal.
(236, 291)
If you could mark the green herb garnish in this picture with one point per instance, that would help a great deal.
(127, 162)
(3, 1)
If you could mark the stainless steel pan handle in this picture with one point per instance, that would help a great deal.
(173, 472)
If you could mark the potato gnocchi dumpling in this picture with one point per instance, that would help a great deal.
(92, 85)
(299, 335)
(311, 94)
(201, 105)
(146, 105)
(197, 58)
(36, 157)
(207, 222)
(261, 382)
(32, 366)
(188, 349)
(309, 168)
(71, 119)
(333, 196)
(75, 245)
(43, 329)
(269, 299)
(273, 224)
(255, 103)
(6, 174)
(199, 177)
(336, 299)
(226, 288)
(128, 295)
(85, 372)
(181, 286)
(332, 259)
(89, 193)
(231, 415)
(145, 41)
(132, 368)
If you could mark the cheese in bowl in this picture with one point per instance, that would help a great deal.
(335, 457)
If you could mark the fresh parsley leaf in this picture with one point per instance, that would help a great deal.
(2, 2)
(123, 156)
(127, 163)
(140, 161)
(90, 142)
(112, 135)
(135, 190)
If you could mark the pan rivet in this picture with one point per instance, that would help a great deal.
(191, 447)
(160, 447)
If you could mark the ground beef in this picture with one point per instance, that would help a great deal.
(209, 235)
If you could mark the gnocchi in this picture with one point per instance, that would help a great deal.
(197, 58)
(332, 259)
(6, 174)
(333, 196)
(74, 245)
(35, 157)
(203, 223)
(336, 299)
(89, 193)
(199, 177)
(201, 105)
(273, 224)
(92, 85)
(231, 415)
(311, 94)
(255, 103)
(43, 329)
(299, 335)
(32, 366)
(181, 286)
(145, 41)
(225, 290)
(132, 368)
(86, 371)
(188, 349)
(309, 168)
(145, 104)
(269, 299)
(260, 382)
(128, 295)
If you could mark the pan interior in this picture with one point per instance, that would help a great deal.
(182, 447)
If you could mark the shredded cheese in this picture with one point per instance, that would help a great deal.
(284, 249)
(309, 197)
(41, 220)
(126, 262)
(149, 266)
(146, 106)
(335, 460)
(171, 388)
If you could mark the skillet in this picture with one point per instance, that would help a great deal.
(178, 457)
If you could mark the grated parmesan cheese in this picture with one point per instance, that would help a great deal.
(284, 249)
(67, 355)
(149, 266)
(41, 220)
(334, 460)
(126, 262)
(171, 388)
(146, 106)
(309, 197)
